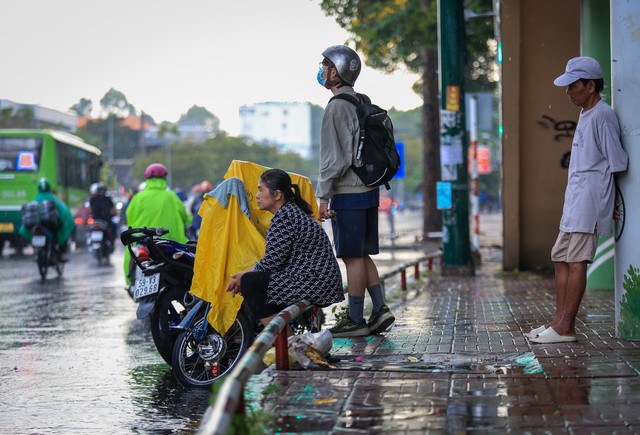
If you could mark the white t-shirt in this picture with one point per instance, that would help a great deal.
(596, 153)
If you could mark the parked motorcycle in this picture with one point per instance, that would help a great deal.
(201, 355)
(160, 276)
(99, 240)
(46, 251)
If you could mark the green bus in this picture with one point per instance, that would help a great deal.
(70, 164)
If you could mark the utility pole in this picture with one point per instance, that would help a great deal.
(453, 141)
(141, 134)
(110, 137)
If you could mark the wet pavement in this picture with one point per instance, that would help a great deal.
(457, 361)
(74, 359)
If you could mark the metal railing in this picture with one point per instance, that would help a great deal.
(230, 398)
(402, 269)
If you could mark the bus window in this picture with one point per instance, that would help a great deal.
(20, 153)
(77, 167)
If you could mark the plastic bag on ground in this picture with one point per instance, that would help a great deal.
(310, 349)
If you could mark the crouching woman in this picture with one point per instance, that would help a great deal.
(298, 263)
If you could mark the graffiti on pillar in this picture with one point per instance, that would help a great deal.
(563, 130)
(451, 135)
(629, 325)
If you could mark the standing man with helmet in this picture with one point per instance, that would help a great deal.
(596, 154)
(67, 223)
(157, 206)
(343, 197)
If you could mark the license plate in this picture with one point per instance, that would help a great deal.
(6, 227)
(96, 236)
(146, 285)
(39, 241)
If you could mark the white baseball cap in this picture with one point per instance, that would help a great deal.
(579, 68)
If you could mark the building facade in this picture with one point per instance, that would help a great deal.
(41, 117)
(290, 126)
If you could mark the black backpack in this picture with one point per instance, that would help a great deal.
(49, 216)
(376, 147)
(31, 214)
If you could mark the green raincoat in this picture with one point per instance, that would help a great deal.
(68, 224)
(156, 206)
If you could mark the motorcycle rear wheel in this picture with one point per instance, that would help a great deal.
(43, 262)
(169, 310)
(199, 363)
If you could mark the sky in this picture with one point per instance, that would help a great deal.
(167, 55)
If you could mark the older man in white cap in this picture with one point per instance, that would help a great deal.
(596, 154)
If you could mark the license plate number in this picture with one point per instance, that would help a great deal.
(146, 285)
(96, 236)
(6, 227)
(39, 241)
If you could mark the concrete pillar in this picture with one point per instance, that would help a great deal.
(595, 41)
(625, 57)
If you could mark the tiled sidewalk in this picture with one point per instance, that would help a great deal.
(449, 365)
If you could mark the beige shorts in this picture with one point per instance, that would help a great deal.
(574, 247)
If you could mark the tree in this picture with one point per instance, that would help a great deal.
(167, 128)
(20, 117)
(97, 132)
(115, 103)
(395, 34)
(84, 107)
(192, 163)
(198, 115)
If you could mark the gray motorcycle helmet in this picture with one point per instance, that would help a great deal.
(347, 62)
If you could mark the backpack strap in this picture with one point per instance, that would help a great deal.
(356, 101)
(347, 97)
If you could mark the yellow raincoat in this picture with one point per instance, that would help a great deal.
(232, 238)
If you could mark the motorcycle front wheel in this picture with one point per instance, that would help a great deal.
(199, 363)
(169, 310)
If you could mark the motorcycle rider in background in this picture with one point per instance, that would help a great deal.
(157, 206)
(102, 208)
(68, 223)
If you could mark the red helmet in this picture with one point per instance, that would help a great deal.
(155, 170)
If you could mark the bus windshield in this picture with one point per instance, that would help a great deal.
(20, 154)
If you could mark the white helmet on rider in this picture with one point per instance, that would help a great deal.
(93, 189)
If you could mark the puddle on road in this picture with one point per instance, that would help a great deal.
(519, 364)
(319, 405)
(299, 413)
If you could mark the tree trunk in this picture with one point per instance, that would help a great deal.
(432, 217)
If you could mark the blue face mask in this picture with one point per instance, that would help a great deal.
(321, 80)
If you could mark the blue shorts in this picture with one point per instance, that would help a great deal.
(355, 232)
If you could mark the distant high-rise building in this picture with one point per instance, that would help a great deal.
(291, 126)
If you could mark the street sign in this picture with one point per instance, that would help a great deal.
(400, 174)
(443, 190)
